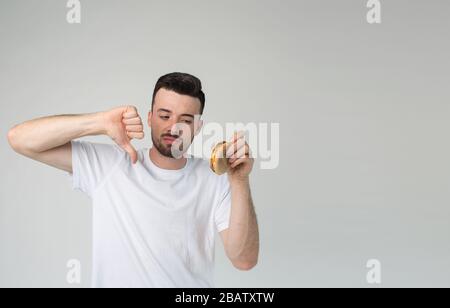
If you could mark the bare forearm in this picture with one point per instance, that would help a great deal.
(45, 133)
(243, 234)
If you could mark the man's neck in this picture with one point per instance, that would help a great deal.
(164, 162)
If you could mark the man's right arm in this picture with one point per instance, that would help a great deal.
(48, 139)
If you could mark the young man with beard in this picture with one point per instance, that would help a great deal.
(154, 214)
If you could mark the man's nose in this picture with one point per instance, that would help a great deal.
(173, 127)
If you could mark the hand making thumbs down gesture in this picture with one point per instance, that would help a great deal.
(122, 125)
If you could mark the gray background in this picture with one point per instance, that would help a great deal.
(363, 112)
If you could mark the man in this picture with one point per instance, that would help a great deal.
(154, 214)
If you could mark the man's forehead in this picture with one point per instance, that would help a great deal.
(175, 102)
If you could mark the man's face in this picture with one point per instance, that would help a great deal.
(171, 111)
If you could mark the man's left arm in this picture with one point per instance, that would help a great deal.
(241, 239)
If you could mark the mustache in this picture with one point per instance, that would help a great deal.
(170, 136)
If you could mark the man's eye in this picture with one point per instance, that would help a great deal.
(164, 117)
(187, 122)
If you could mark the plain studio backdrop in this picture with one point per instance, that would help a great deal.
(363, 109)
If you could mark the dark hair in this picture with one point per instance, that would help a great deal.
(181, 83)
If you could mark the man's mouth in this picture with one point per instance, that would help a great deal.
(169, 139)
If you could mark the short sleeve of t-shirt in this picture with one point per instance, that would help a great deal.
(91, 164)
(223, 209)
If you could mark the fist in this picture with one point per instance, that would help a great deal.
(240, 158)
(123, 124)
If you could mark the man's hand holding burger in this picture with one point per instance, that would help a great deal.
(239, 158)
(241, 239)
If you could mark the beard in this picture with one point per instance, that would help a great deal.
(166, 149)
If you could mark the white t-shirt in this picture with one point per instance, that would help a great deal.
(152, 227)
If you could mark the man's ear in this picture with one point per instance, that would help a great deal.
(149, 120)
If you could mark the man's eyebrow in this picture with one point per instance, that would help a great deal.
(184, 114)
(188, 115)
(165, 110)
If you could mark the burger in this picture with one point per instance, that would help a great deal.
(219, 162)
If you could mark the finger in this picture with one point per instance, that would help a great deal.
(130, 112)
(236, 146)
(133, 135)
(231, 147)
(134, 128)
(132, 121)
(237, 135)
(238, 162)
(240, 153)
(131, 151)
(236, 141)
